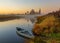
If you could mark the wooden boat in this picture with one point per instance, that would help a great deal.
(19, 29)
(24, 33)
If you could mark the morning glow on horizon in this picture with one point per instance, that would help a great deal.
(21, 6)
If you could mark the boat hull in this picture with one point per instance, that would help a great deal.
(24, 35)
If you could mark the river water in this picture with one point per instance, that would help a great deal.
(8, 30)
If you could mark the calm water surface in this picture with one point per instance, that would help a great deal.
(8, 30)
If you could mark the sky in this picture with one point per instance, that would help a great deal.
(21, 6)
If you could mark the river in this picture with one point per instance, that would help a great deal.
(8, 30)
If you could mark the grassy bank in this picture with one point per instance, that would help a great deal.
(48, 26)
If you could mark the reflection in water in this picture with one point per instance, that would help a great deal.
(8, 30)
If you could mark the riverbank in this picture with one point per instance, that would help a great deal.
(48, 26)
(8, 17)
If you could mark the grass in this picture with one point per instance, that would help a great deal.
(55, 35)
(48, 26)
